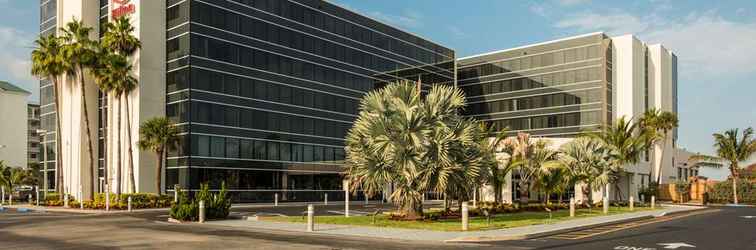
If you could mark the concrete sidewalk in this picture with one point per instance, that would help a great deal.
(471, 236)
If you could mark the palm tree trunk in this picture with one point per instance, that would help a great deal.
(132, 187)
(58, 140)
(735, 183)
(119, 166)
(158, 179)
(89, 133)
(661, 161)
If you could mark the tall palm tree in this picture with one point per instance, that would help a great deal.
(48, 62)
(119, 38)
(158, 135)
(587, 161)
(114, 77)
(79, 53)
(499, 158)
(626, 144)
(733, 150)
(657, 124)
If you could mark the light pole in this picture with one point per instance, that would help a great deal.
(44, 157)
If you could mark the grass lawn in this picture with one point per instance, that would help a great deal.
(476, 223)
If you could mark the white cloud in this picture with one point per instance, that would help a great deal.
(572, 2)
(707, 44)
(15, 62)
(408, 19)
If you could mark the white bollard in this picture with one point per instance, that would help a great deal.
(325, 200)
(65, 200)
(632, 203)
(465, 218)
(2, 196)
(81, 200)
(202, 212)
(572, 207)
(606, 205)
(30, 199)
(653, 202)
(175, 194)
(475, 197)
(310, 218)
(366, 198)
(10, 200)
(36, 188)
(346, 203)
(129, 203)
(275, 200)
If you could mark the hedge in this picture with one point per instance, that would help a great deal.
(138, 201)
(721, 192)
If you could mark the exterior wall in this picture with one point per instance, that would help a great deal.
(13, 129)
(48, 26)
(556, 88)
(662, 93)
(264, 93)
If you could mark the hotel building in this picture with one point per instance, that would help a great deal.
(263, 92)
(559, 89)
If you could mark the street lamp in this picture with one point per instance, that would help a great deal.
(44, 157)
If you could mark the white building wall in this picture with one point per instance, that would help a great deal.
(13, 128)
(661, 86)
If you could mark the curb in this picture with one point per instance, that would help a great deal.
(474, 239)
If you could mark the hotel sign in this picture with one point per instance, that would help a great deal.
(122, 8)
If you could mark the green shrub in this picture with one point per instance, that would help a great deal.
(138, 201)
(217, 206)
(651, 190)
(722, 192)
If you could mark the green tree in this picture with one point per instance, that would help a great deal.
(536, 160)
(118, 38)
(79, 53)
(158, 135)
(48, 62)
(626, 143)
(417, 144)
(656, 125)
(499, 159)
(587, 161)
(733, 150)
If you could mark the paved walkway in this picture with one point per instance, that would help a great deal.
(426, 235)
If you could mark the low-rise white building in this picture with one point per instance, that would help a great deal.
(13, 128)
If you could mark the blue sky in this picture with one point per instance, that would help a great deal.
(715, 42)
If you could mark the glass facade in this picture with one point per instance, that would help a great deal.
(47, 26)
(265, 91)
(557, 89)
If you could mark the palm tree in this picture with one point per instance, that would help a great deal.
(499, 159)
(733, 150)
(626, 144)
(79, 53)
(413, 143)
(48, 61)
(587, 161)
(114, 77)
(119, 38)
(657, 124)
(536, 160)
(158, 134)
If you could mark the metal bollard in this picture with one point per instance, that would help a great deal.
(465, 217)
(325, 201)
(310, 218)
(202, 212)
(65, 200)
(346, 203)
(81, 200)
(632, 203)
(129, 201)
(572, 207)
(606, 205)
(275, 200)
(653, 202)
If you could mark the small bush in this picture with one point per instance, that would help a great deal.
(217, 206)
(651, 190)
(138, 201)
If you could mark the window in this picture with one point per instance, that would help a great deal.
(232, 148)
(260, 150)
(273, 151)
(217, 147)
(203, 145)
(247, 149)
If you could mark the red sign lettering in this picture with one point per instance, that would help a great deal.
(124, 7)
